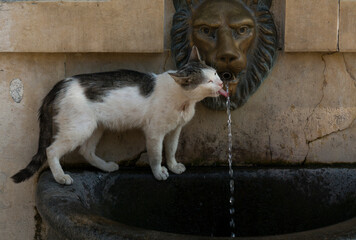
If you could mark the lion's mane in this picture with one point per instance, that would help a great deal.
(261, 55)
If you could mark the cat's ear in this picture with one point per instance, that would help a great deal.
(194, 55)
(181, 80)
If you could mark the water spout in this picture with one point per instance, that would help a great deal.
(226, 76)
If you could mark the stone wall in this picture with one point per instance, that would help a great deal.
(304, 112)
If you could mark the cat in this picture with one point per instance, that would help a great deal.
(84, 105)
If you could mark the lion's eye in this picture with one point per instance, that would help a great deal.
(242, 30)
(205, 30)
(208, 31)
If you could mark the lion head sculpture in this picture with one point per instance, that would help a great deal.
(237, 37)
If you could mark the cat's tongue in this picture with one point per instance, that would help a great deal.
(223, 92)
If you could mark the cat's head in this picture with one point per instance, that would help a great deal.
(198, 79)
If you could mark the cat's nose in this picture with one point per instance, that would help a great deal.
(220, 83)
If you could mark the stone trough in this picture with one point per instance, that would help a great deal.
(271, 203)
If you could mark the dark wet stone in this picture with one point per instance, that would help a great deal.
(131, 204)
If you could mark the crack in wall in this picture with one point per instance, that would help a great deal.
(308, 145)
(316, 106)
(270, 147)
(321, 99)
(347, 67)
(306, 156)
(334, 132)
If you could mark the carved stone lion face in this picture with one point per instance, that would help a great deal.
(239, 41)
(223, 31)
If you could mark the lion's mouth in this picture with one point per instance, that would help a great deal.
(228, 77)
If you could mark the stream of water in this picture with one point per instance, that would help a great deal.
(231, 171)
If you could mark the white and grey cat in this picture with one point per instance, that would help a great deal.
(83, 106)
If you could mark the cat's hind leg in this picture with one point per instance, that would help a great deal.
(54, 152)
(69, 137)
(87, 150)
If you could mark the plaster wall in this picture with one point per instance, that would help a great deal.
(304, 112)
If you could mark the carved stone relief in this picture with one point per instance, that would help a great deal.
(238, 38)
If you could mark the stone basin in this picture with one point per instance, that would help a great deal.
(271, 203)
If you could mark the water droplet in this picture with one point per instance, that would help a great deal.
(232, 211)
(232, 223)
(232, 235)
(232, 200)
(232, 185)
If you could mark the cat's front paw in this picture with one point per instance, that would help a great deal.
(160, 173)
(177, 168)
(64, 179)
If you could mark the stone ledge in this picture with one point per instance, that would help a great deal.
(92, 26)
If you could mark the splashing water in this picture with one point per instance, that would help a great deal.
(231, 171)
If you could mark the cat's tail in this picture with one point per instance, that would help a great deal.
(45, 117)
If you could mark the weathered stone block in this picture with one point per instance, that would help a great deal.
(96, 26)
(311, 26)
(337, 107)
(347, 37)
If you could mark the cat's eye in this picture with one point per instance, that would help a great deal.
(215, 74)
(210, 81)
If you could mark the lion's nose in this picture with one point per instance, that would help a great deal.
(227, 57)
